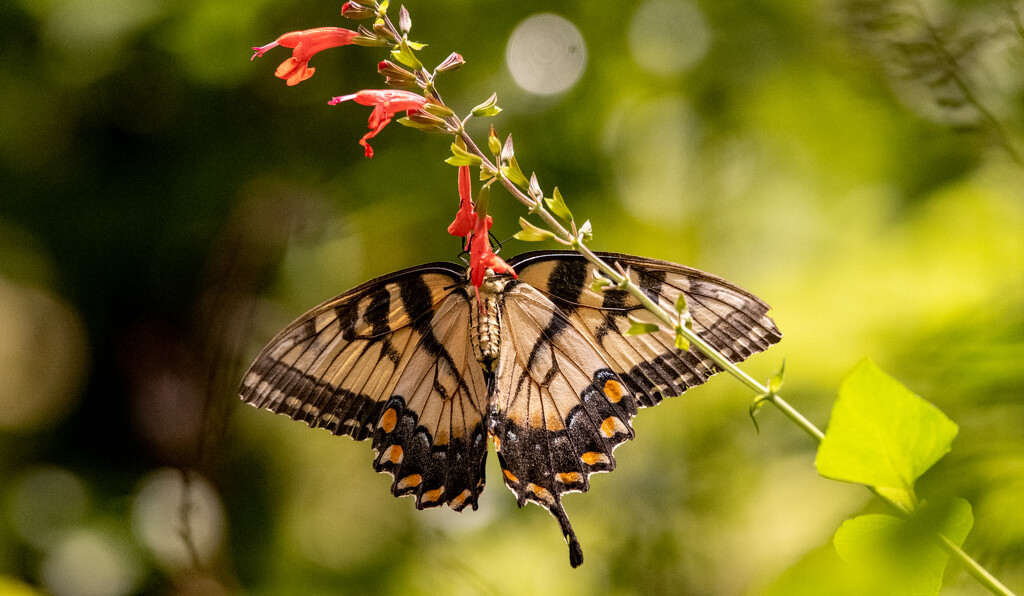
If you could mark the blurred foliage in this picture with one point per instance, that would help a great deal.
(166, 205)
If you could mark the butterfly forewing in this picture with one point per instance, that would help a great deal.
(729, 318)
(391, 360)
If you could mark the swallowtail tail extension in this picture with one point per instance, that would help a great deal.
(541, 365)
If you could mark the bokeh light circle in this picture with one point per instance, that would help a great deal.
(157, 518)
(546, 54)
(667, 37)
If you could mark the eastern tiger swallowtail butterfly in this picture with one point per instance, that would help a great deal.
(541, 364)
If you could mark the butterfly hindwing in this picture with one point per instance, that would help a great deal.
(392, 360)
(558, 410)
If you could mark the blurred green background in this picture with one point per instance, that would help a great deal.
(166, 206)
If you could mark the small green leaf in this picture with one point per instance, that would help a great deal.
(404, 55)
(681, 342)
(637, 327)
(600, 282)
(461, 157)
(775, 381)
(880, 433)
(680, 305)
(558, 206)
(415, 45)
(531, 233)
(900, 556)
(405, 58)
(487, 108)
(513, 173)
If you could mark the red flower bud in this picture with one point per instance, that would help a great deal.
(465, 219)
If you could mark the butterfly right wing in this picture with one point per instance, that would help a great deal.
(392, 360)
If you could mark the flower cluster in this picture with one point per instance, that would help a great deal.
(386, 103)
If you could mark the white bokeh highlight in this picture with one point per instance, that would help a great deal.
(546, 54)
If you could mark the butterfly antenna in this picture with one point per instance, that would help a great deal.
(575, 550)
(499, 243)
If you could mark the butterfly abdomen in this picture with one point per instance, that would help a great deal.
(485, 327)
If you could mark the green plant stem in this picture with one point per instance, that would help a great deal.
(978, 572)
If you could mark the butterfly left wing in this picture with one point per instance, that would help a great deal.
(392, 360)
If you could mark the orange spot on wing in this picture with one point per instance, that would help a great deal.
(410, 481)
(541, 492)
(389, 420)
(511, 477)
(569, 477)
(608, 426)
(433, 495)
(613, 390)
(459, 500)
(497, 443)
(393, 454)
(594, 457)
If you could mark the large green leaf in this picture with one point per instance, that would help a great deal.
(882, 434)
(900, 556)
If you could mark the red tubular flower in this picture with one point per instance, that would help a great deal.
(387, 103)
(481, 257)
(465, 219)
(305, 44)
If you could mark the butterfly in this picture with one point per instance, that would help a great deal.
(427, 369)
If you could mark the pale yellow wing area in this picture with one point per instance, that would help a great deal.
(557, 406)
(390, 359)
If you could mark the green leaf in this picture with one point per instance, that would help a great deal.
(900, 556)
(600, 282)
(775, 381)
(488, 108)
(681, 342)
(880, 433)
(404, 55)
(513, 173)
(531, 233)
(461, 157)
(558, 206)
(681, 303)
(639, 328)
